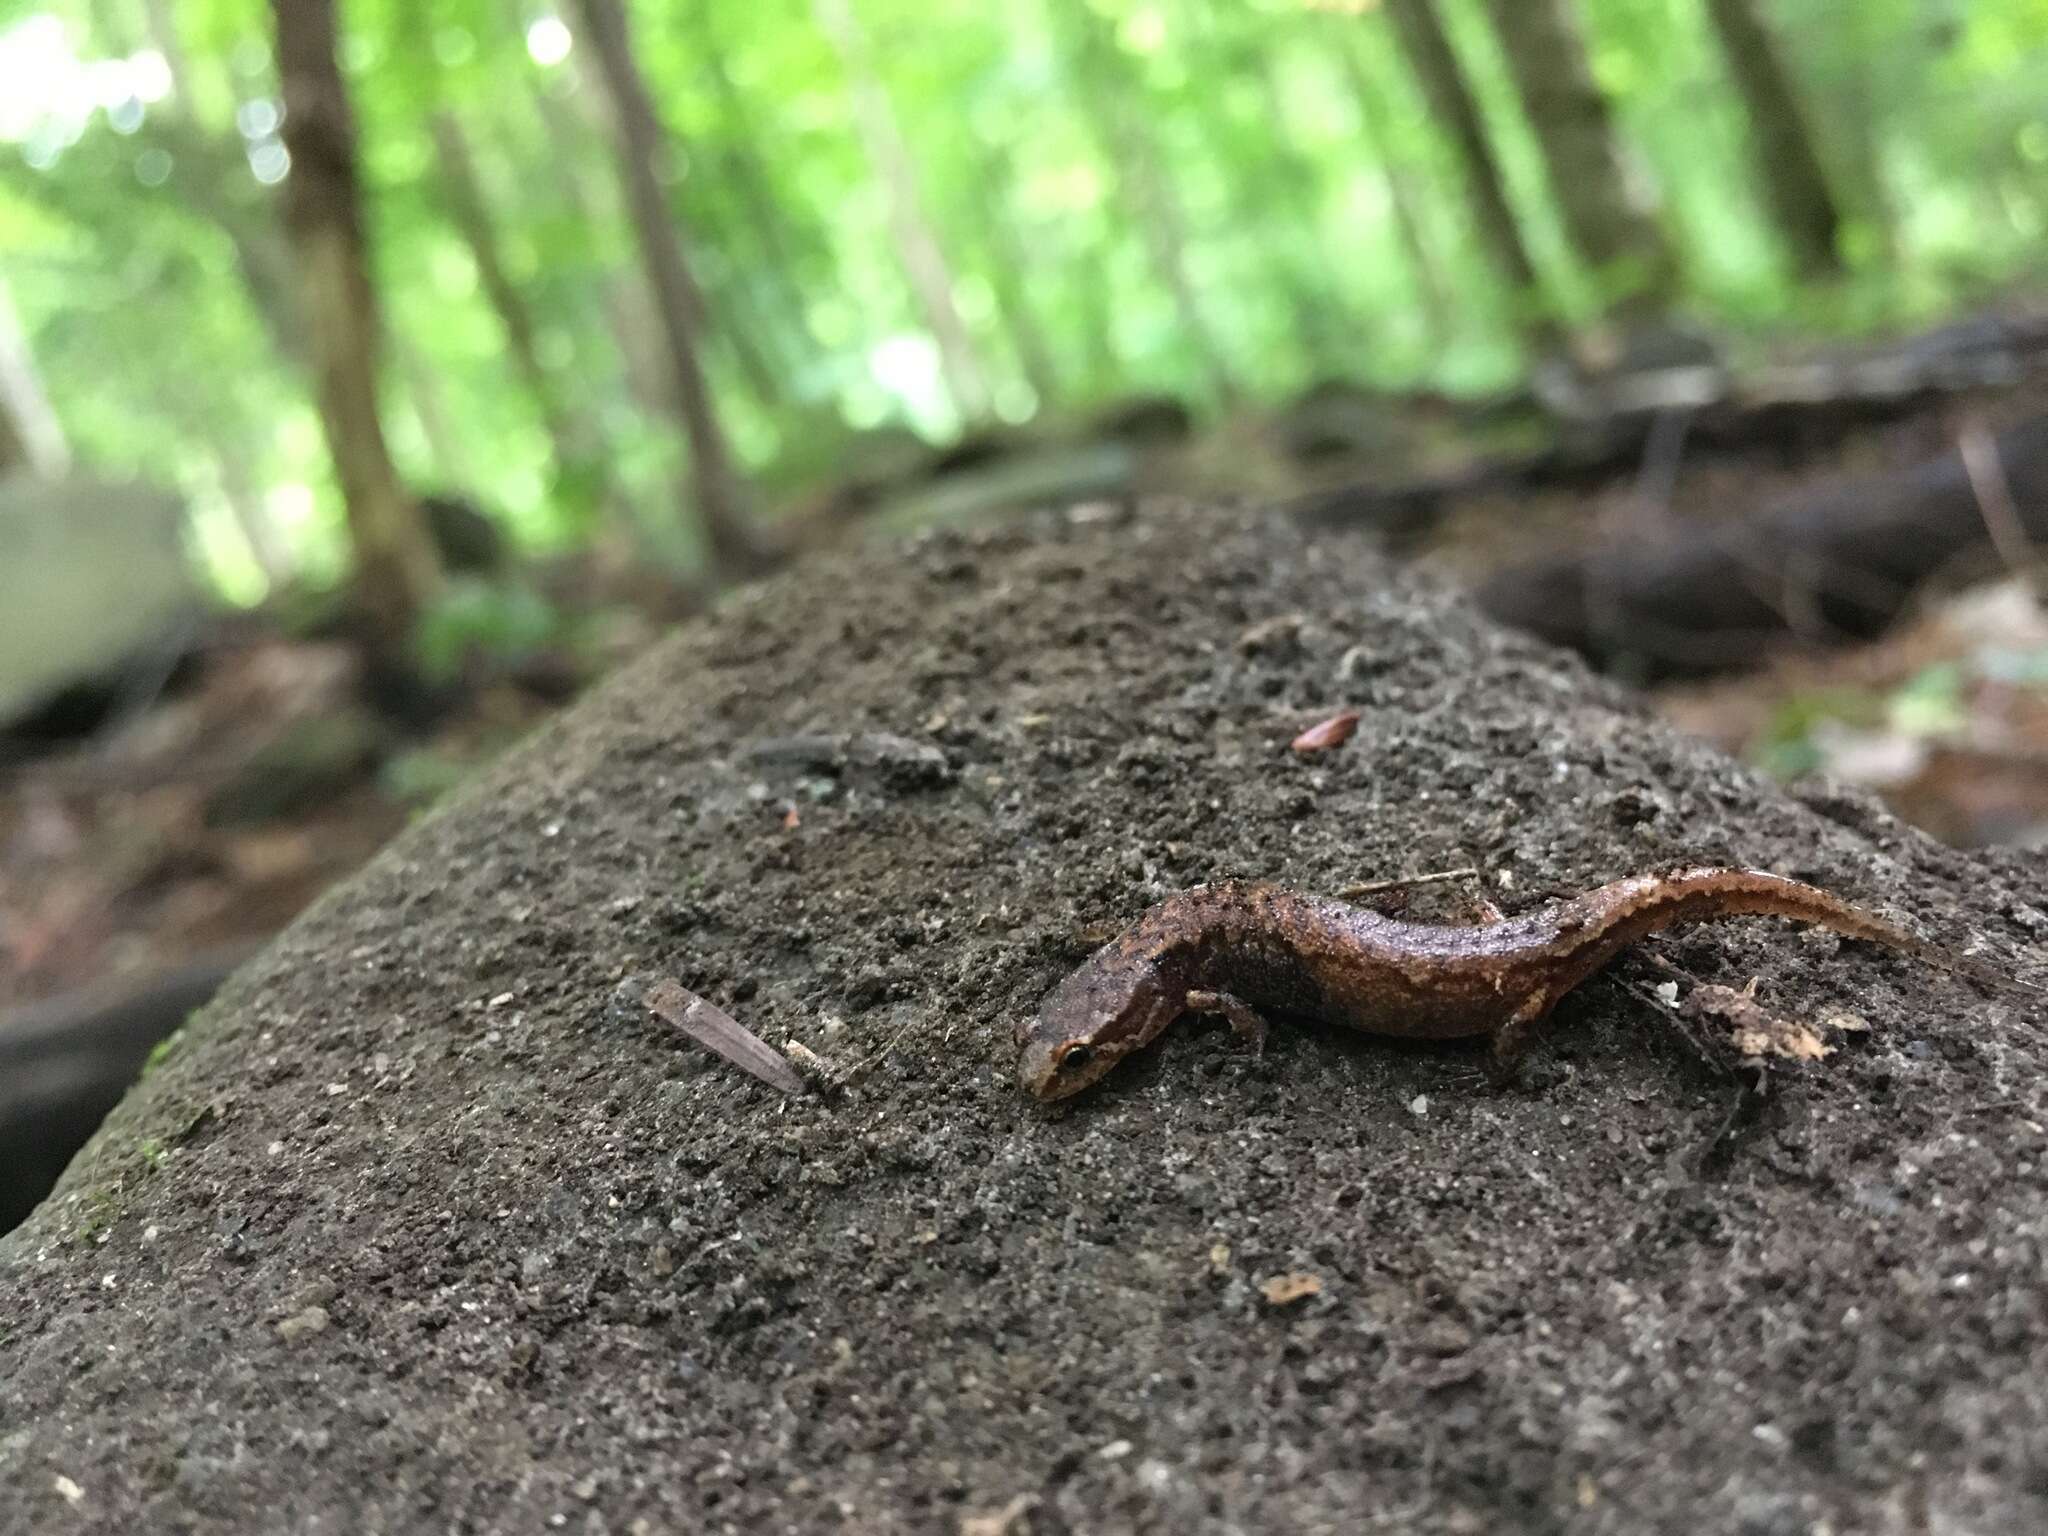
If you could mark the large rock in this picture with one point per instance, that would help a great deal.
(413, 1231)
(90, 574)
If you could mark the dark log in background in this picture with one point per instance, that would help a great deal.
(1840, 563)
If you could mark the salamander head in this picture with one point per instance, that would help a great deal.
(1104, 1011)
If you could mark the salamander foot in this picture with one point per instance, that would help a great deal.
(1244, 1023)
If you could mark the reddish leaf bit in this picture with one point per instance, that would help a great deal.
(1286, 1290)
(1333, 732)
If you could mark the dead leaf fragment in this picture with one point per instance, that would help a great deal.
(716, 1030)
(1285, 1290)
(1324, 735)
(1753, 1030)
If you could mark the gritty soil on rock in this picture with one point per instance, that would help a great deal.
(415, 1230)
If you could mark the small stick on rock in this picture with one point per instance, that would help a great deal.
(1402, 882)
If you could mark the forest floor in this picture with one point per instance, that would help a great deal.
(180, 832)
(416, 1227)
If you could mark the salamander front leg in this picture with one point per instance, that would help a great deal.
(1244, 1023)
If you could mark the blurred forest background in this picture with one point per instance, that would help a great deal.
(882, 218)
(374, 374)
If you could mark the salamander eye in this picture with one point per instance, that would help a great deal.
(1075, 1056)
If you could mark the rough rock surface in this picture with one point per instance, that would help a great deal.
(413, 1230)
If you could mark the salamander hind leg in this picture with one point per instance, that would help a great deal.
(1244, 1022)
(1511, 1040)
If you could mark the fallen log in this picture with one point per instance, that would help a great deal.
(66, 1061)
(1840, 563)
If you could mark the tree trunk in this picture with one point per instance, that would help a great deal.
(165, 39)
(1277, 191)
(472, 217)
(1106, 97)
(1409, 225)
(572, 437)
(1860, 112)
(917, 246)
(735, 319)
(1009, 273)
(1420, 33)
(397, 571)
(714, 320)
(1787, 162)
(1325, 333)
(448, 460)
(621, 295)
(245, 504)
(1589, 176)
(781, 250)
(31, 440)
(720, 497)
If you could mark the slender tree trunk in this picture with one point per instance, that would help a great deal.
(917, 246)
(1277, 195)
(213, 176)
(720, 496)
(717, 320)
(1093, 297)
(572, 436)
(622, 295)
(472, 217)
(397, 571)
(735, 319)
(1862, 117)
(1589, 175)
(449, 460)
(1427, 48)
(165, 39)
(1324, 329)
(1009, 274)
(31, 441)
(782, 250)
(1787, 161)
(1108, 104)
(252, 517)
(1410, 228)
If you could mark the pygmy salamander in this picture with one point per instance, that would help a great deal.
(1237, 946)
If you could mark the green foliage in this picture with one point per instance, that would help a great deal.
(1056, 145)
(494, 622)
(419, 777)
(1933, 704)
(1792, 742)
(163, 1050)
